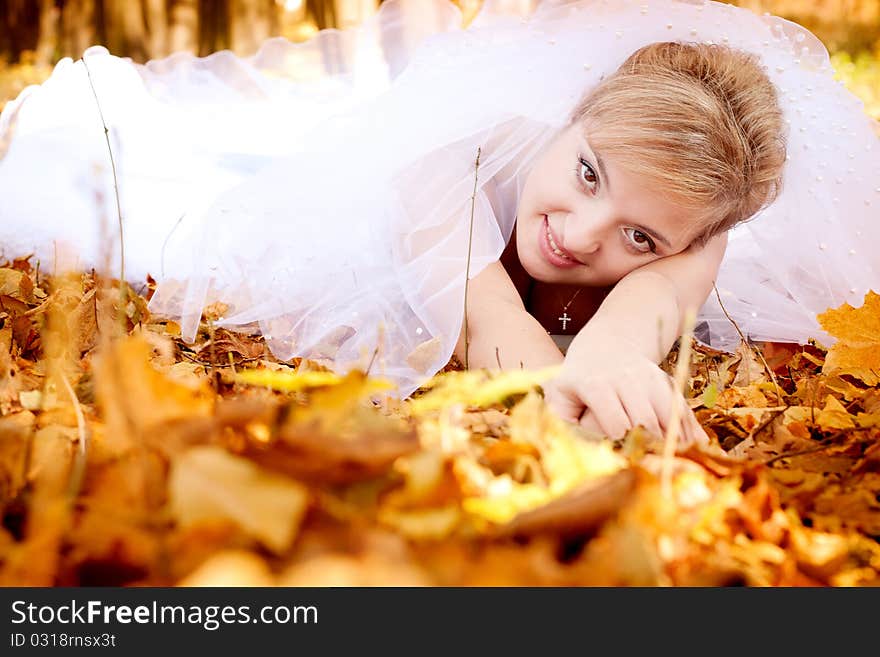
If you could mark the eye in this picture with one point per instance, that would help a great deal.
(639, 240)
(587, 175)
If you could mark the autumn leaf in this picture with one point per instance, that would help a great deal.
(295, 381)
(16, 284)
(208, 484)
(478, 388)
(136, 397)
(231, 568)
(857, 351)
(750, 369)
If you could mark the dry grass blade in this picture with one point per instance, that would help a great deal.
(78, 468)
(682, 366)
(467, 271)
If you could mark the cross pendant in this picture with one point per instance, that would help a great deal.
(565, 319)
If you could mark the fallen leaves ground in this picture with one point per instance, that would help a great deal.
(130, 458)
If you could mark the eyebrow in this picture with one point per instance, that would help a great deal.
(601, 165)
(655, 235)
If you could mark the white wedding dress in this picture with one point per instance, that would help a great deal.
(324, 191)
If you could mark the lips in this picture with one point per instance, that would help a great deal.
(563, 262)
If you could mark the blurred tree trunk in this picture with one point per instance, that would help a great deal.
(126, 30)
(47, 40)
(323, 12)
(183, 25)
(350, 13)
(20, 23)
(213, 30)
(251, 23)
(77, 32)
(157, 27)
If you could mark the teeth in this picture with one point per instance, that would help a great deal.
(553, 244)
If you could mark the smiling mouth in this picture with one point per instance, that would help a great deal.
(555, 248)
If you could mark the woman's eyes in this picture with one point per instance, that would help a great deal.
(587, 175)
(640, 241)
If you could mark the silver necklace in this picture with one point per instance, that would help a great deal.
(565, 319)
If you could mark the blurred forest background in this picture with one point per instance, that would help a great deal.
(34, 34)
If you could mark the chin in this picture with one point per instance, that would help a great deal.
(546, 273)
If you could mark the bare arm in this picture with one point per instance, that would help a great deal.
(647, 307)
(500, 329)
(610, 381)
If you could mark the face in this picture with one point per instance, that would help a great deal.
(583, 220)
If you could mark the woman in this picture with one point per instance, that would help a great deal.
(338, 194)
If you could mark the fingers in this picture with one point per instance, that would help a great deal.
(608, 413)
(640, 411)
(565, 403)
(589, 423)
(614, 410)
(689, 429)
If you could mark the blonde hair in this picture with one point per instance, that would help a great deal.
(701, 122)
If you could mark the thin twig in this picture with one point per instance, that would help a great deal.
(372, 360)
(467, 272)
(750, 346)
(79, 463)
(212, 334)
(682, 365)
(165, 244)
(811, 450)
(122, 289)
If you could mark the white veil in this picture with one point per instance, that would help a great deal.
(333, 202)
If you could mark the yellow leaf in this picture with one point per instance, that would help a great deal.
(868, 420)
(209, 484)
(295, 381)
(834, 415)
(422, 524)
(231, 568)
(567, 461)
(478, 388)
(287, 380)
(136, 397)
(803, 414)
(504, 508)
(15, 284)
(858, 327)
(857, 330)
(710, 395)
(840, 385)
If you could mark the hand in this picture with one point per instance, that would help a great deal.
(609, 387)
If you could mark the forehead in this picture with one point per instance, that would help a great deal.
(637, 198)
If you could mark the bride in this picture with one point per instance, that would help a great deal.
(589, 168)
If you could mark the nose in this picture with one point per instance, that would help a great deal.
(583, 235)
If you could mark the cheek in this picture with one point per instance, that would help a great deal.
(615, 263)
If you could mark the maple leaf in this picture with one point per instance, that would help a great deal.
(857, 351)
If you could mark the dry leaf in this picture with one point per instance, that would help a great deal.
(857, 330)
(208, 484)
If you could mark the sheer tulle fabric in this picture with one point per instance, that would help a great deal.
(328, 193)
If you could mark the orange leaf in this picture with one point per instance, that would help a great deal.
(857, 351)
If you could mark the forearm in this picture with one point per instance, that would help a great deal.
(513, 339)
(642, 312)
